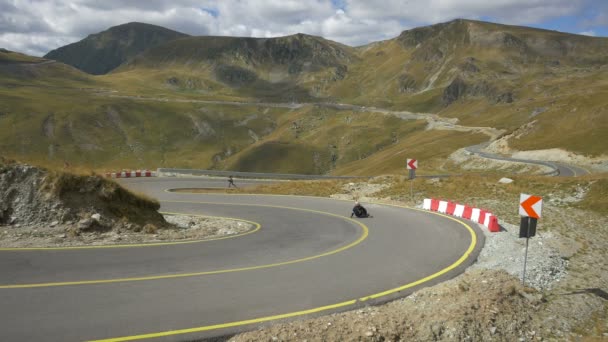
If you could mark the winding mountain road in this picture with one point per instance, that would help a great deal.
(434, 121)
(558, 169)
(306, 257)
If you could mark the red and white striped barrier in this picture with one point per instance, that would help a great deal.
(480, 216)
(129, 174)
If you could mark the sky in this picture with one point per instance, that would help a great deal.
(35, 27)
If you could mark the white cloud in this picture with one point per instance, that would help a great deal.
(358, 31)
(433, 11)
(37, 26)
(33, 44)
(588, 33)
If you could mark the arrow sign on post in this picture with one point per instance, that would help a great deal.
(530, 206)
(412, 164)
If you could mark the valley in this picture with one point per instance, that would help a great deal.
(240, 103)
(463, 97)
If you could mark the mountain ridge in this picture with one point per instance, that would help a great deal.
(102, 52)
(173, 105)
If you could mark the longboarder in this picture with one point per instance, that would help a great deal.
(360, 211)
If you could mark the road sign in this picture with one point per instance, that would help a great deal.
(527, 227)
(412, 164)
(529, 209)
(530, 206)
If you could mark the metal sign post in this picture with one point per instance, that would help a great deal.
(523, 276)
(412, 176)
(527, 229)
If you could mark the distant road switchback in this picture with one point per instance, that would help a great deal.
(558, 169)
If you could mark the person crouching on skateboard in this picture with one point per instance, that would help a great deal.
(359, 211)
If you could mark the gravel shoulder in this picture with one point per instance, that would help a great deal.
(564, 298)
(182, 228)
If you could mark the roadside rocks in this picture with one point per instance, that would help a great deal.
(360, 191)
(91, 224)
(506, 251)
(98, 232)
(21, 202)
(494, 306)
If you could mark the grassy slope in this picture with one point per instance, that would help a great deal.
(22, 70)
(7, 56)
(566, 102)
(430, 148)
(317, 140)
(509, 59)
(279, 69)
(101, 132)
(560, 73)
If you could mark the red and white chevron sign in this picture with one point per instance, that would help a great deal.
(530, 206)
(412, 164)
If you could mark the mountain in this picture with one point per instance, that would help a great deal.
(102, 52)
(17, 70)
(298, 53)
(464, 59)
(271, 104)
(544, 88)
(281, 69)
(12, 57)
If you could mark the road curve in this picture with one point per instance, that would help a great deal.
(558, 169)
(308, 258)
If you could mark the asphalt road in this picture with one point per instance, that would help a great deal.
(559, 169)
(308, 258)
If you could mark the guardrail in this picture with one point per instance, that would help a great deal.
(239, 174)
(130, 174)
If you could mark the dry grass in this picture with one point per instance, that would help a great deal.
(589, 192)
(69, 185)
(596, 198)
(323, 188)
(467, 189)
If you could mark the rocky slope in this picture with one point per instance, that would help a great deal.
(471, 59)
(34, 197)
(283, 69)
(41, 208)
(296, 53)
(486, 74)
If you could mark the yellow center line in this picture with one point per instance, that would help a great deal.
(150, 244)
(351, 302)
(363, 236)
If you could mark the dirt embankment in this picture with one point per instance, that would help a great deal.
(478, 306)
(41, 208)
(33, 197)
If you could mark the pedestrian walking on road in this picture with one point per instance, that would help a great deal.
(231, 182)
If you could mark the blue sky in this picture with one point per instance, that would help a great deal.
(38, 26)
